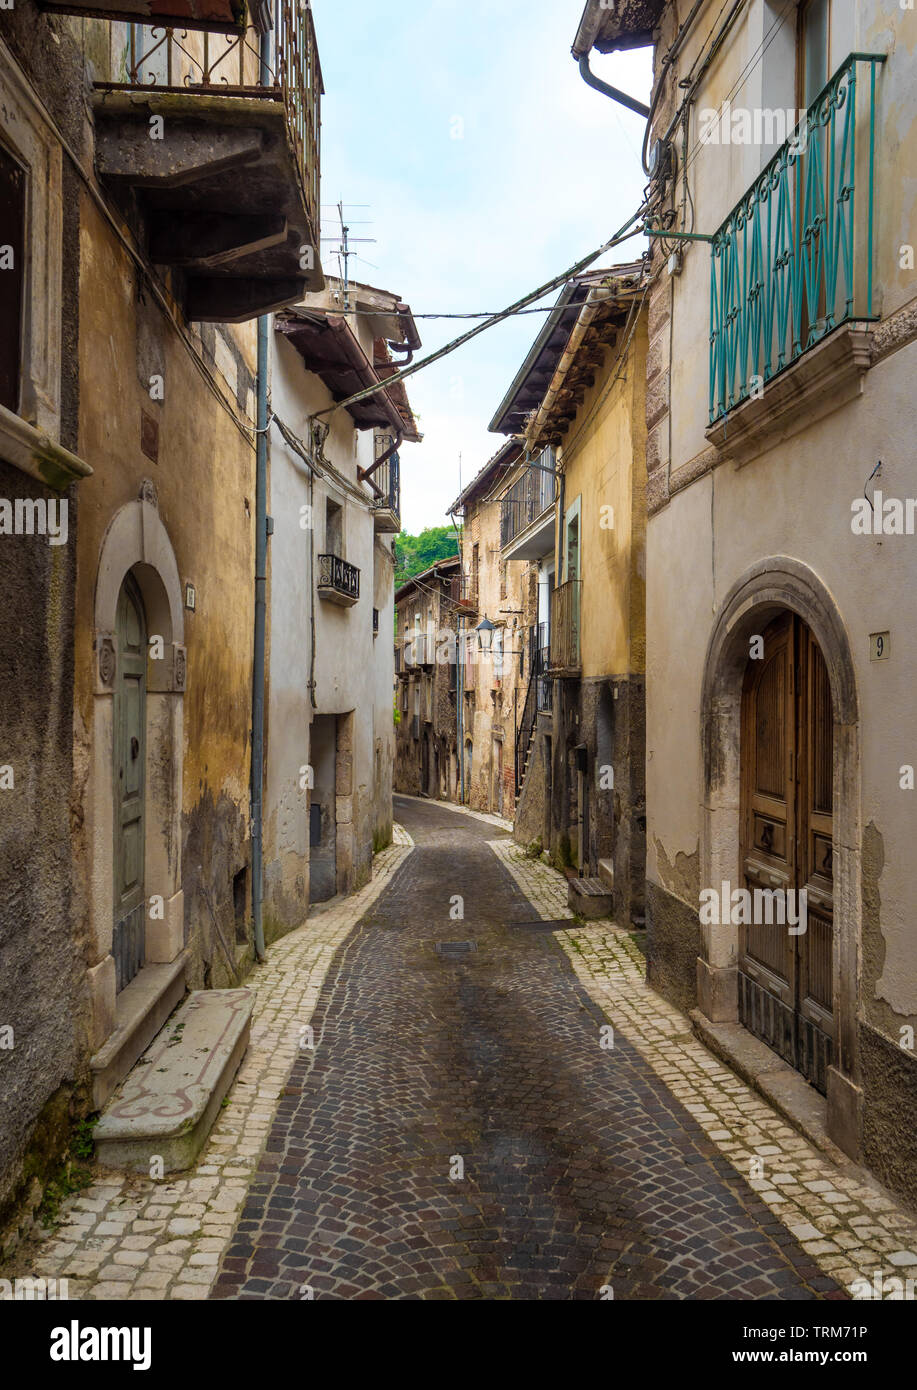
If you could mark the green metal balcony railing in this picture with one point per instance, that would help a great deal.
(794, 258)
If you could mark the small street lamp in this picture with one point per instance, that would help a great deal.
(485, 630)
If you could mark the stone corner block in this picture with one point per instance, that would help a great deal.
(165, 936)
(717, 991)
(102, 993)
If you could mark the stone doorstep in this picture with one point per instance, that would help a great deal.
(785, 1088)
(589, 896)
(167, 1106)
(141, 1009)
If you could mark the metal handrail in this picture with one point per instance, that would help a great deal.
(173, 59)
(565, 626)
(790, 263)
(340, 575)
(530, 496)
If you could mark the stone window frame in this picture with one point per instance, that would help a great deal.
(25, 130)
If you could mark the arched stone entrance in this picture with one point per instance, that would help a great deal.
(136, 555)
(756, 599)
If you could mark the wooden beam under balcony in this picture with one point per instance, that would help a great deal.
(210, 239)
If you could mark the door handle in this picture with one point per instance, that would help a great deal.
(135, 748)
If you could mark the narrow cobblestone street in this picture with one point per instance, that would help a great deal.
(581, 1171)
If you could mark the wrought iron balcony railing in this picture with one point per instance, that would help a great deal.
(539, 661)
(564, 655)
(794, 258)
(387, 480)
(337, 579)
(530, 496)
(176, 59)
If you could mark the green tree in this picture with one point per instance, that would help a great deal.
(413, 554)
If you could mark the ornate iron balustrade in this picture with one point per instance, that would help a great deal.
(387, 478)
(338, 576)
(794, 258)
(540, 660)
(174, 59)
(529, 497)
(565, 627)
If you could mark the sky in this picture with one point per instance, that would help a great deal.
(488, 166)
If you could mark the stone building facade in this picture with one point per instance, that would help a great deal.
(128, 396)
(492, 651)
(427, 610)
(779, 677)
(574, 509)
(335, 502)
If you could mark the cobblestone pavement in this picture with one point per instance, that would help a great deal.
(460, 1131)
(847, 1224)
(128, 1237)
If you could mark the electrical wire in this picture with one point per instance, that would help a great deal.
(624, 233)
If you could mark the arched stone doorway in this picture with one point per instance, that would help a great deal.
(767, 592)
(137, 586)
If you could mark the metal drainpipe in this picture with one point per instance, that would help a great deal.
(615, 93)
(257, 787)
(460, 706)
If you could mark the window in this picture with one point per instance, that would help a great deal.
(12, 262)
(813, 50)
(497, 653)
(334, 528)
(571, 542)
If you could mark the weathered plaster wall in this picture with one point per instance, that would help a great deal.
(495, 711)
(43, 1073)
(711, 520)
(352, 673)
(604, 466)
(204, 477)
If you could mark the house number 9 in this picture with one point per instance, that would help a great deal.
(879, 646)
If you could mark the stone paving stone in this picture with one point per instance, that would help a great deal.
(461, 1132)
(108, 1215)
(842, 1237)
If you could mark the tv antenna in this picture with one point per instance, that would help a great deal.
(345, 241)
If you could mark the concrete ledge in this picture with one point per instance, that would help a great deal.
(166, 1108)
(140, 1011)
(786, 1090)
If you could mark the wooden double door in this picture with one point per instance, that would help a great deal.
(786, 976)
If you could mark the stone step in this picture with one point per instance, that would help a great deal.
(589, 896)
(166, 1107)
(607, 873)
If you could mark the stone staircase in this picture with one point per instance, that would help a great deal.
(159, 1119)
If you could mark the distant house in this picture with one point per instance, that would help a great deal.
(427, 609)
